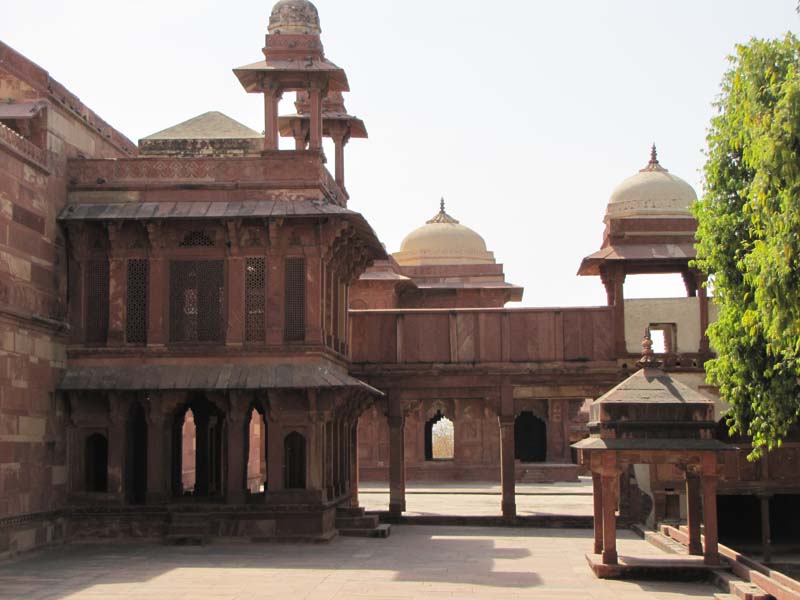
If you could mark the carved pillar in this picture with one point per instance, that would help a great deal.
(274, 453)
(597, 502)
(116, 444)
(610, 485)
(613, 278)
(339, 135)
(275, 286)
(300, 134)
(397, 460)
(236, 492)
(158, 452)
(316, 453)
(314, 297)
(272, 97)
(157, 302)
(693, 512)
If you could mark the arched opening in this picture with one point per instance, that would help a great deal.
(530, 438)
(96, 463)
(256, 453)
(439, 438)
(188, 453)
(136, 457)
(198, 465)
(294, 466)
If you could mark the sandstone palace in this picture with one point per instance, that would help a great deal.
(198, 339)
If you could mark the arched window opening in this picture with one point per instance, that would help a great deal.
(188, 453)
(256, 453)
(530, 438)
(439, 438)
(96, 463)
(294, 456)
(136, 458)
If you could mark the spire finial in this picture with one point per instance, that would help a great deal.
(442, 216)
(441, 205)
(653, 165)
(648, 356)
(653, 155)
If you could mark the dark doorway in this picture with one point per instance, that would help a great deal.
(96, 463)
(294, 456)
(739, 518)
(136, 457)
(530, 438)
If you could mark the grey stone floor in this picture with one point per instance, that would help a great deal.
(483, 499)
(415, 562)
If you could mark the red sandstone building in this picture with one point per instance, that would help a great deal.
(198, 337)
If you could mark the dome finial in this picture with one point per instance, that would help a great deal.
(648, 358)
(654, 165)
(442, 216)
(441, 205)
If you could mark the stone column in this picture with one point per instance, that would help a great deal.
(116, 444)
(711, 553)
(272, 97)
(202, 454)
(397, 460)
(315, 121)
(274, 454)
(597, 501)
(610, 485)
(507, 466)
(158, 453)
(693, 512)
(116, 301)
(354, 465)
(766, 536)
(236, 492)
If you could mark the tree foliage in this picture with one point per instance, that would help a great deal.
(749, 239)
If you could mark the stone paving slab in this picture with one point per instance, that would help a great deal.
(483, 499)
(416, 562)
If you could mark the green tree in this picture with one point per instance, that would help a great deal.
(749, 239)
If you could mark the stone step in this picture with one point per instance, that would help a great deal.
(722, 596)
(350, 511)
(383, 530)
(363, 522)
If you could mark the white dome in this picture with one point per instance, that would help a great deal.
(443, 241)
(652, 192)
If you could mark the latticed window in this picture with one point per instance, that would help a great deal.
(295, 300)
(254, 299)
(195, 239)
(196, 307)
(136, 308)
(96, 301)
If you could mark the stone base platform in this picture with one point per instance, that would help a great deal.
(686, 568)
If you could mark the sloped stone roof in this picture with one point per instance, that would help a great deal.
(212, 125)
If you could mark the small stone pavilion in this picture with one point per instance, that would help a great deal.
(652, 418)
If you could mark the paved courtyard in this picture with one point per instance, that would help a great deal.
(414, 563)
(483, 499)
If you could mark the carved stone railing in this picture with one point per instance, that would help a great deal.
(27, 149)
(482, 335)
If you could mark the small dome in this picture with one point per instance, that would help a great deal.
(652, 192)
(443, 241)
(294, 17)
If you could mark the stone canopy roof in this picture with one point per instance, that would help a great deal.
(212, 125)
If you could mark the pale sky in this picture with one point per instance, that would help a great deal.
(523, 114)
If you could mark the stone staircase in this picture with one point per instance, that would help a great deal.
(354, 522)
(187, 529)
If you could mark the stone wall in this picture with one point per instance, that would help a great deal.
(33, 298)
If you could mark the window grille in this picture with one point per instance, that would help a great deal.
(96, 301)
(195, 239)
(136, 310)
(295, 300)
(254, 299)
(197, 292)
